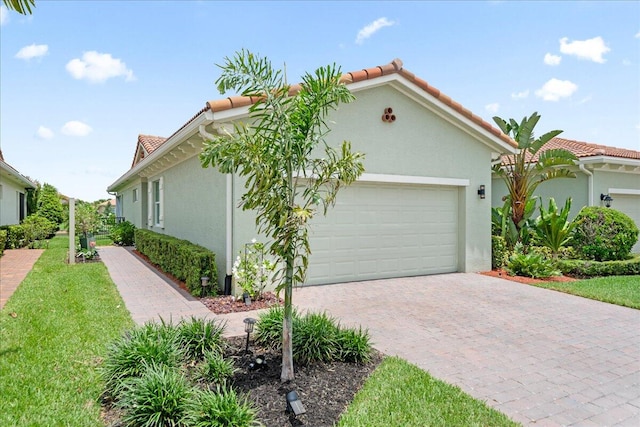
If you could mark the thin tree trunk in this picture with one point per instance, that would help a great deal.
(287, 325)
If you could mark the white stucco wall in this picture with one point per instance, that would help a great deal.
(9, 201)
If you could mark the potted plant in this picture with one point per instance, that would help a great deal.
(87, 221)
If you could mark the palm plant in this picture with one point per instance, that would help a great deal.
(21, 6)
(553, 228)
(523, 171)
(286, 184)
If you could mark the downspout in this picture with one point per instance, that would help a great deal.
(590, 180)
(229, 212)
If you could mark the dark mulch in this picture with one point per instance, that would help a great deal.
(325, 389)
(229, 304)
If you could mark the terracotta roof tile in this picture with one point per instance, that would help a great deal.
(584, 149)
(394, 66)
(151, 142)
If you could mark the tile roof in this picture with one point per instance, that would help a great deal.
(394, 67)
(150, 142)
(581, 150)
(585, 149)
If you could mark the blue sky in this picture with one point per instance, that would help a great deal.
(80, 80)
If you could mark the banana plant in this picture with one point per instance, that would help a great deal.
(523, 171)
(553, 227)
(502, 223)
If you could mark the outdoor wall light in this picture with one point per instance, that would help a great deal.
(607, 199)
(248, 328)
(294, 404)
(481, 192)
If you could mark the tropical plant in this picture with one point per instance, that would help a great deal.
(87, 219)
(523, 171)
(553, 228)
(530, 264)
(123, 233)
(604, 234)
(275, 152)
(23, 7)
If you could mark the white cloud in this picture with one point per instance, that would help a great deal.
(76, 128)
(372, 28)
(98, 67)
(550, 59)
(520, 95)
(44, 133)
(4, 15)
(492, 108)
(32, 51)
(591, 49)
(555, 89)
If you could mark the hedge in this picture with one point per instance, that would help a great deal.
(3, 240)
(586, 269)
(184, 260)
(16, 236)
(499, 252)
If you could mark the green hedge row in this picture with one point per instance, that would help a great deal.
(3, 241)
(15, 236)
(184, 260)
(585, 269)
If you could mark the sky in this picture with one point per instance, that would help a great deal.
(80, 80)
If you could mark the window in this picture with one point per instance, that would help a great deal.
(156, 211)
(135, 195)
(0, 191)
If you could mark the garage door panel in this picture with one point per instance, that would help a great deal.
(385, 230)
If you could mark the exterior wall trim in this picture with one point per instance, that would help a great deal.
(410, 179)
(627, 191)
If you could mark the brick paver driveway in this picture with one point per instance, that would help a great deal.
(539, 356)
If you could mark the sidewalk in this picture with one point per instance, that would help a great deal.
(149, 296)
(15, 264)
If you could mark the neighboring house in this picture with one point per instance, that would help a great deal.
(108, 205)
(600, 170)
(13, 194)
(415, 211)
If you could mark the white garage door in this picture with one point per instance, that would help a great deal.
(378, 231)
(630, 205)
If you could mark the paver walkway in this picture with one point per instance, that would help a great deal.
(543, 358)
(15, 264)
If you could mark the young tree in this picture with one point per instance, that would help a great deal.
(49, 205)
(523, 171)
(286, 184)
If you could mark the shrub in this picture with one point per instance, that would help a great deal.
(586, 269)
(223, 407)
(123, 233)
(498, 251)
(15, 236)
(199, 336)
(162, 396)
(316, 337)
(3, 241)
(354, 345)
(186, 261)
(216, 368)
(530, 265)
(37, 228)
(128, 357)
(604, 234)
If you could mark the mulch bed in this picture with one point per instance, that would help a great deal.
(325, 389)
(526, 280)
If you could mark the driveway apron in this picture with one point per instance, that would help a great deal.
(541, 357)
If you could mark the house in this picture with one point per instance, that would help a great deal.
(600, 171)
(418, 209)
(13, 194)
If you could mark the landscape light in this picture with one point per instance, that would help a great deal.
(294, 404)
(248, 328)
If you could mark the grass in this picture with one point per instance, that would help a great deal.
(65, 315)
(620, 290)
(401, 394)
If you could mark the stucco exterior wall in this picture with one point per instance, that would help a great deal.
(131, 210)
(9, 201)
(194, 206)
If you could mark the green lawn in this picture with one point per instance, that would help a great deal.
(620, 290)
(55, 329)
(401, 394)
(64, 318)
